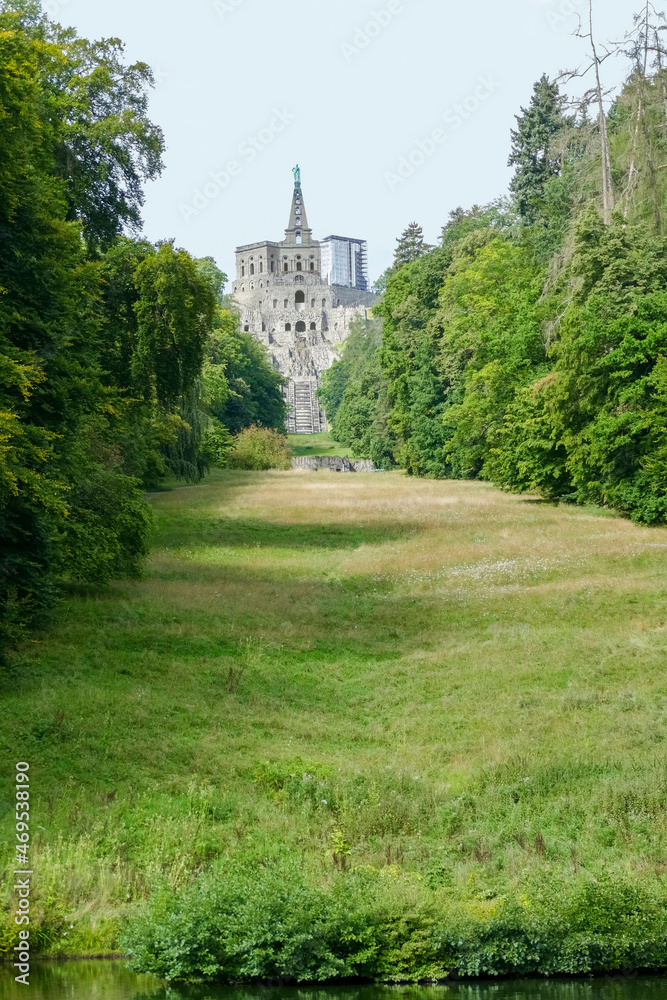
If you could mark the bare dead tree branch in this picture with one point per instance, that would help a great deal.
(644, 39)
(596, 95)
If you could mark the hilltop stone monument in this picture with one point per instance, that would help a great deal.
(299, 296)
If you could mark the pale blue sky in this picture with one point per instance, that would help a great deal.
(345, 87)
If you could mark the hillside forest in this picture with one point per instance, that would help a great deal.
(529, 347)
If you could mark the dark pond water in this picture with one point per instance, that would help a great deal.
(112, 981)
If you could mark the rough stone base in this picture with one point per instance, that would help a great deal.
(333, 463)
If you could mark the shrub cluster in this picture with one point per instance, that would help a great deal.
(274, 920)
(259, 448)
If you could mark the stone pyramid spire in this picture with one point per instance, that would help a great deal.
(298, 232)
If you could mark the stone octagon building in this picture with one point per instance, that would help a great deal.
(299, 297)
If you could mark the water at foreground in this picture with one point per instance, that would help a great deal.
(112, 981)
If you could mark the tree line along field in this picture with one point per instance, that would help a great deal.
(439, 707)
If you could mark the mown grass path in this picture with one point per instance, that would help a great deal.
(428, 675)
(316, 444)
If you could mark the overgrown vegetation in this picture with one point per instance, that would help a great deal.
(272, 922)
(529, 347)
(455, 755)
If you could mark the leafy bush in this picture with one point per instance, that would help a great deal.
(270, 921)
(273, 920)
(258, 448)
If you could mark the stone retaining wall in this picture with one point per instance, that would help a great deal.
(334, 463)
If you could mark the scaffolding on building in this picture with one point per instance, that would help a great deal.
(344, 262)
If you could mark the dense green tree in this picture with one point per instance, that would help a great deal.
(593, 428)
(410, 245)
(362, 419)
(254, 387)
(119, 297)
(45, 385)
(491, 344)
(354, 396)
(412, 339)
(216, 279)
(532, 149)
(608, 398)
(158, 309)
(639, 148)
(79, 333)
(175, 311)
(107, 147)
(379, 286)
(334, 383)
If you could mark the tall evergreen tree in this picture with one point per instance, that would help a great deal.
(410, 245)
(531, 148)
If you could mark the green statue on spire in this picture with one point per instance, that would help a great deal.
(297, 175)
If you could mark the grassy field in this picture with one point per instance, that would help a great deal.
(422, 677)
(315, 445)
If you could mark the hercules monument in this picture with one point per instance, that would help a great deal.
(299, 297)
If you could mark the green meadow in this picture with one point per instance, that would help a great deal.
(459, 693)
(315, 445)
